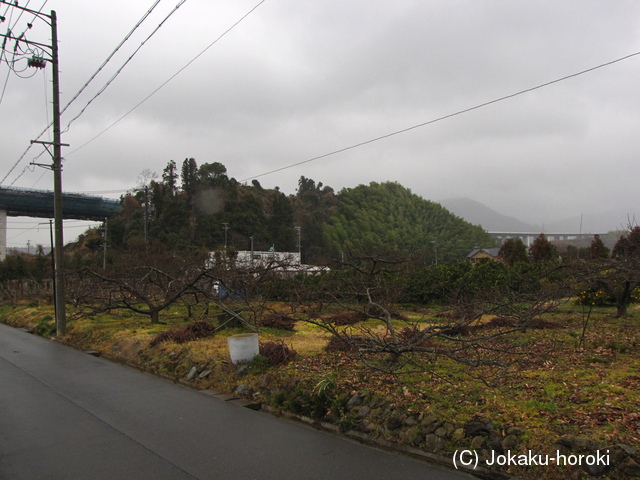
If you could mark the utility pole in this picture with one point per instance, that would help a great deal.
(38, 61)
(61, 320)
(298, 232)
(225, 228)
(146, 212)
(53, 267)
(104, 246)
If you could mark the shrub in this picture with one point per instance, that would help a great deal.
(191, 332)
(347, 318)
(277, 353)
(280, 322)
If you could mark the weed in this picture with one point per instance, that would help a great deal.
(326, 385)
(46, 326)
(347, 422)
(550, 407)
(618, 347)
(259, 364)
(597, 360)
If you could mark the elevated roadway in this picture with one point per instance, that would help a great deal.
(22, 202)
(529, 237)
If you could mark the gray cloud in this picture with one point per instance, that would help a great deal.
(296, 80)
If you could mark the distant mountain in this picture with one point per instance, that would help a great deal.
(492, 221)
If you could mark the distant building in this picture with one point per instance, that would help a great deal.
(247, 258)
(480, 254)
(285, 262)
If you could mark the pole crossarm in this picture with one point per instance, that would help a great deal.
(28, 42)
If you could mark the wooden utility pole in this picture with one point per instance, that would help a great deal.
(61, 318)
(38, 61)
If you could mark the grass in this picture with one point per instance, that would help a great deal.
(564, 390)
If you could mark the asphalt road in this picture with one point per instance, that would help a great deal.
(68, 415)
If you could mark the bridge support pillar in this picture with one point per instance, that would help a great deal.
(3, 234)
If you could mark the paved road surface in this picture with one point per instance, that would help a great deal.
(68, 415)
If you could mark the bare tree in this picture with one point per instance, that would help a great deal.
(146, 283)
(473, 329)
(617, 276)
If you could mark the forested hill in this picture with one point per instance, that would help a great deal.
(201, 207)
(388, 217)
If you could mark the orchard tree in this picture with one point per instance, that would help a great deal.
(144, 283)
(618, 276)
(372, 286)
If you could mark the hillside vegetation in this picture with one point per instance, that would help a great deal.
(387, 217)
(202, 206)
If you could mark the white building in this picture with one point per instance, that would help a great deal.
(286, 262)
(256, 258)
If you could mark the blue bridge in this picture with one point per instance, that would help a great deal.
(21, 202)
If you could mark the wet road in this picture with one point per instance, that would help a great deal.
(68, 415)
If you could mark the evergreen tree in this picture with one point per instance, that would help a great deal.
(513, 251)
(597, 249)
(313, 204)
(213, 175)
(189, 177)
(543, 250)
(170, 177)
(280, 222)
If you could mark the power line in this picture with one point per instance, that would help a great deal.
(439, 119)
(18, 39)
(115, 75)
(170, 78)
(111, 55)
(77, 94)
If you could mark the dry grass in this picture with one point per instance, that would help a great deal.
(567, 389)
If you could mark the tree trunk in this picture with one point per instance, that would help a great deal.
(155, 316)
(621, 308)
(623, 300)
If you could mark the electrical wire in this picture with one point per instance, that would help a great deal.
(111, 55)
(18, 53)
(10, 64)
(77, 94)
(169, 79)
(115, 75)
(439, 119)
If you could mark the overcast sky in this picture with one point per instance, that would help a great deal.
(297, 80)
